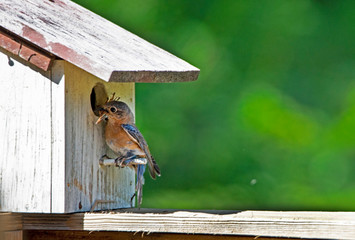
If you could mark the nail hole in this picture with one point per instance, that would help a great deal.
(80, 206)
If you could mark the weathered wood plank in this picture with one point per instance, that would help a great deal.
(57, 101)
(25, 143)
(10, 226)
(74, 235)
(92, 43)
(10, 222)
(320, 225)
(12, 235)
(25, 52)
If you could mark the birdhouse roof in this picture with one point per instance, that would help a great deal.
(81, 37)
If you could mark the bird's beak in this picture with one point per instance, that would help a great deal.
(103, 116)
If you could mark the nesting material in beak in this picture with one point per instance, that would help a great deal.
(103, 116)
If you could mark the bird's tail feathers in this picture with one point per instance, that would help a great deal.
(140, 183)
(153, 167)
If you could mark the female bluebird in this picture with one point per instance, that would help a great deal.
(123, 137)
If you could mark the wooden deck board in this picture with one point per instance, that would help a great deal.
(314, 225)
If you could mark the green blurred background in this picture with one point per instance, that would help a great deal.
(270, 123)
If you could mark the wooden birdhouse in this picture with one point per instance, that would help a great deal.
(58, 61)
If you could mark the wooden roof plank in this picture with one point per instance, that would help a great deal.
(91, 42)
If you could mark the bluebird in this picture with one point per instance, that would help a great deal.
(125, 140)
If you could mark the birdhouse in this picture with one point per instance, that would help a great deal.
(58, 62)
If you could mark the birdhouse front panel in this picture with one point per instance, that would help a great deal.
(50, 144)
(85, 181)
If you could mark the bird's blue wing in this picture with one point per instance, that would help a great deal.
(137, 136)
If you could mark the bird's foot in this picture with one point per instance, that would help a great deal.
(132, 199)
(118, 162)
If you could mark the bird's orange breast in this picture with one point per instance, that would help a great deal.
(119, 141)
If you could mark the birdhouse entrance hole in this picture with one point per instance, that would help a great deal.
(98, 97)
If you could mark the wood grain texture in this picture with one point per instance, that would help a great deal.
(50, 144)
(25, 142)
(92, 43)
(57, 101)
(85, 180)
(10, 222)
(316, 225)
(12, 235)
(75, 235)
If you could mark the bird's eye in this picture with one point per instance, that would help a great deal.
(113, 109)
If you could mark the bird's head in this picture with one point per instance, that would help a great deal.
(115, 110)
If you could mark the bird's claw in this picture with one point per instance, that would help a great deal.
(120, 162)
(132, 200)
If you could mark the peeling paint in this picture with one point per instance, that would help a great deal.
(69, 54)
(56, 48)
(18, 47)
(34, 36)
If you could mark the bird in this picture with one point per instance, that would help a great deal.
(127, 142)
